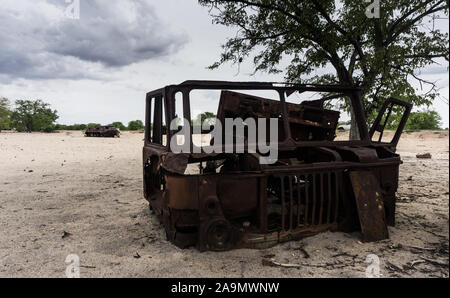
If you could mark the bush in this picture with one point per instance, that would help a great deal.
(207, 118)
(80, 127)
(92, 125)
(424, 120)
(136, 125)
(70, 127)
(427, 119)
(119, 125)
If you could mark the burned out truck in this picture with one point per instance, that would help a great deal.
(219, 201)
(107, 131)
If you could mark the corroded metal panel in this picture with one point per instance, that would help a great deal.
(369, 202)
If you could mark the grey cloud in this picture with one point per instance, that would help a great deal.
(39, 42)
(442, 68)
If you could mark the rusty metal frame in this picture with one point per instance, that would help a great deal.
(168, 93)
(388, 106)
(199, 209)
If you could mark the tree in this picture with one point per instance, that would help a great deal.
(119, 125)
(206, 117)
(136, 125)
(417, 121)
(79, 127)
(34, 115)
(5, 114)
(70, 127)
(377, 54)
(93, 125)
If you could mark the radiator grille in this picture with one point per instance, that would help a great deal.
(307, 199)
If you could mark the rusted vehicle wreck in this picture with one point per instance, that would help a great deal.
(108, 131)
(317, 184)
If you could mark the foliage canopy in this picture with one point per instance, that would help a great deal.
(379, 55)
(33, 115)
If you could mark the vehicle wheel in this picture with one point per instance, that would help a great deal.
(218, 235)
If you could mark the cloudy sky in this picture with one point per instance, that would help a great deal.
(99, 67)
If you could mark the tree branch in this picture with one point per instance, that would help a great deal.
(420, 80)
(406, 15)
(351, 65)
(341, 30)
(403, 27)
(428, 56)
(273, 36)
(264, 6)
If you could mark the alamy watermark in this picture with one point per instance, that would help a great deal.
(249, 135)
(373, 10)
(373, 270)
(73, 266)
(72, 9)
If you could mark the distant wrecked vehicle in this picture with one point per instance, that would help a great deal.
(232, 200)
(344, 127)
(107, 131)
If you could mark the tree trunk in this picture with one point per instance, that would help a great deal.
(346, 80)
(354, 130)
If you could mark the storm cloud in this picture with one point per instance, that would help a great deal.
(38, 40)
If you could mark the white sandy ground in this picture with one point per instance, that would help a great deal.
(92, 189)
